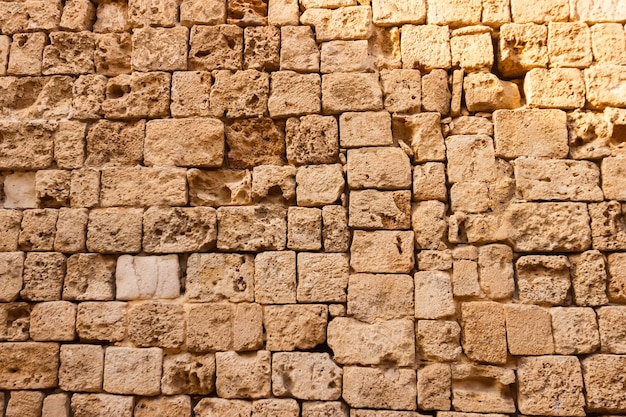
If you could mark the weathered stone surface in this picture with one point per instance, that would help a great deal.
(213, 277)
(543, 279)
(24, 404)
(145, 277)
(36, 98)
(344, 23)
(528, 330)
(114, 230)
(138, 95)
(261, 48)
(381, 168)
(601, 373)
(608, 43)
(555, 88)
(52, 321)
(11, 269)
(89, 93)
(471, 48)
(429, 182)
(306, 376)
(26, 54)
(433, 295)
(167, 230)
(14, 322)
(495, 395)
(589, 278)
(143, 186)
(115, 143)
(575, 330)
(243, 375)
(312, 140)
(422, 135)
(43, 276)
(190, 93)
(569, 44)
(56, 405)
(113, 50)
(350, 92)
(495, 264)
(28, 365)
(179, 405)
(101, 405)
(380, 297)
(345, 56)
(486, 92)
(298, 51)
(20, 190)
(294, 94)
(193, 12)
(239, 94)
(266, 228)
(484, 333)
(425, 47)
(132, 371)
(358, 129)
(69, 53)
(616, 277)
(38, 229)
(371, 209)
(96, 321)
(319, 185)
(81, 368)
(274, 184)
(605, 85)
(610, 322)
(211, 407)
(322, 277)
(295, 327)
(253, 142)
(188, 373)
(438, 340)
(470, 158)
(382, 251)
(160, 49)
(401, 90)
(522, 47)
(156, 324)
(26, 146)
(394, 389)
(275, 277)
(335, 232)
(543, 11)
(433, 387)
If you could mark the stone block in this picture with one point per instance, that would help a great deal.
(543, 279)
(143, 186)
(298, 49)
(160, 49)
(469, 197)
(146, 277)
(569, 44)
(436, 95)
(190, 93)
(402, 90)
(5, 46)
(470, 158)
(605, 86)
(495, 264)
(438, 340)
(152, 13)
(324, 409)
(382, 251)
(69, 53)
(275, 277)
(433, 295)
(319, 185)
(395, 13)
(219, 407)
(253, 142)
(113, 51)
(188, 229)
(85, 188)
(69, 140)
(611, 322)
(14, 322)
(306, 376)
(78, 15)
(243, 375)
(312, 139)
(335, 232)
(199, 12)
(471, 48)
(216, 48)
(543, 11)
(295, 327)
(616, 277)
(433, 387)
(24, 404)
(343, 23)
(115, 143)
(434, 260)
(11, 269)
(101, 405)
(25, 57)
(81, 368)
(522, 47)
(322, 277)
(555, 88)
(275, 408)
(394, 389)
(132, 371)
(20, 190)
(114, 230)
(261, 48)
(601, 373)
(528, 330)
(304, 228)
(50, 98)
(380, 297)
(465, 278)
(28, 365)
(111, 17)
(608, 43)
(429, 182)
(612, 171)
(607, 234)
(89, 93)
(380, 168)
(486, 92)
(96, 321)
(52, 321)
(138, 95)
(389, 342)
(484, 332)
(176, 406)
(156, 324)
(56, 405)
(43, 276)
(38, 229)
(52, 188)
(495, 395)
(425, 47)
(251, 228)
(589, 279)
(294, 94)
(360, 129)
(239, 94)
(247, 12)
(26, 146)
(345, 56)
(213, 277)
(575, 330)
(188, 373)
(350, 92)
(283, 12)
(453, 12)
(371, 209)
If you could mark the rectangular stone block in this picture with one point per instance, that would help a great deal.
(606, 86)
(15, 322)
(528, 330)
(245, 375)
(239, 94)
(43, 276)
(495, 396)
(38, 229)
(69, 53)
(601, 373)
(402, 90)
(575, 330)
(160, 49)
(224, 187)
(113, 50)
(294, 94)
(101, 405)
(425, 47)
(433, 387)
(350, 92)
(299, 51)
(188, 373)
(26, 54)
(335, 232)
(213, 277)
(611, 321)
(133, 371)
(522, 47)
(345, 56)
(156, 324)
(115, 143)
(433, 295)
(114, 230)
(385, 297)
(11, 269)
(52, 321)
(555, 88)
(295, 374)
(484, 332)
(470, 158)
(589, 278)
(28, 365)
(26, 146)
(141, 94)
(304, 230)
(216, 48)
(394, 389)
(331, 24)
(495, 263)
(312, 139)
(608, 43)
(472, 49)
(71, 230)
(543, 279)
(143, 186)
(569, 44)
(358, 129)
(371, 209)
(96, 321)
(541, 12)
(381, 168)
(295, 326)
(382, 251)
(81, 368)
(146, 277)
(319, 185)
(188, 229)
(55, 91)
(190, 93)
(438, 340)
(252, 228)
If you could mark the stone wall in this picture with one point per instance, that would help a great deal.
(323, 208)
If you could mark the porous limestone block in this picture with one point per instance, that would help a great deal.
(434, 260)
(522, 47)
(589, 278)
(438, 340)
(69, 53)
(97, 321)
(484, 332)
(239, 94)
(274, 184)
(384, 342)
(114, 230)
(543, 279)
(254, 142)
(216, 48)
(5, 46)
(382, 251)
(24, 404)
(386, 413)
(56, 405)
(50, 98)
(251, 228)
(219, 407)
(43, 276)
(113, 52)
(219, 188)
(343, 92)
(544, 134)
(304, 230)
(143, 186)
(372, 209)
(428, 221)
(306, 376)
(496, 12)
(275, 277)
(555, 88)
(384, 168)
(569, 44)
(495, 396)
(261, 48)
(550, 385)
(312, 139)
(542, 11)
(275, 407)
(373, 297)
(152, 13)
(606, 85)
(101, 405)
(78, 15)
(146, 277)
(28, 365)
(175, 406)
(425, 47)
(20, 190)
(345, 56)
(358, 129)
(394, 389)
(190, 93)
(335, 232)
(466, 153)
(471, 48)
(454, 12)
(247, 12)
(436, 95)
(89, 92)
(343, 23)
(612, 182)
(433, 295)
(433, 387)
(395, 13)
(465, 278)
(243, 375)
(26, 146)
(213, 277)
(298, 50)
(528, 330)
(616, 263)
(186, 229)
(132, 371)
(495, 264)
(601, 373)
(111, 17)
(38, 229)
(324, 409)
(283, 12)
(295, 327)
(608, 43)
(11, 269)
(188, 373)
(293, 94)
(608, 235)
(200, 12)
(140, 94)
(52, 188)
(52, 321)
(469, 197)
(557, 179)
(384, 46)
(156, 324)
(319, 185)
(115, 143)
(611, 322)
(327, 4)
(402, 90)
(81, 368)
(486, 92)
(15, 322)
(575, 330)
(160, 49)
(429, 182)
(25, 57)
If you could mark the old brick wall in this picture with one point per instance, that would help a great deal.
(313, 208)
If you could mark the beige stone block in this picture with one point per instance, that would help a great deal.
(608, 43)
(569, 44)
(429, 182)
(38, 229)
(20, 191)
(239, 94)
(25, 404)
(187, 229)
(43, 276)
(11, 269)
(433, 387)
(395, 13)
(384, 48)
(575, 330)
(152, 13)
(471, 48)
(605, 85)
(425, 47)
(275, 277)
(133, 371)
(304, 230)
(434, 260)
(436, 96)
(401, 90)
(486, 92)
(470, 158)
(5, 46)
(454, 12)
(589, 277)
(216, 48)
(597, 11)
(522, 47)
(484, 332)
(606, 218)
(555, 88)
(274, 184)
(78, 15)
(465, 278)
(351, 92)
(433, 295)
(335, 232)
(298, 49)
(261, 48)
(470, 197)
(283, 12)
(213, 277)
(422, 135)
(385, 413)
(295, 327)
(143, 186)
(611, 322)
(345, 56)
(543, 279)
(114, 230)
(371, 209)
(246, 12)
(156, 324)
(113, 50)
(96, 321)
(319, 185)
(456, 87)
(138, 95)
(52, 321)
(28, 365)
(381, 168)
(275, 407)
(243, 375)
(219, 407)
(616, 277)
(324, 409)
(81, 368)
(306, 376)
(89, 93)
(365, 129)
(56, 405)
(146, 277)
(438, 340)
(50, 98)
(382, 251)
(542, 11)
(495, 395)
(312, 139)
(190, 93)
(544, 135)
(380, 297)
(69, 53)
(52, 188)
(176, 406)
(265, 228)
(377, 388)
(253, 142)
(383, 342)
(528, 330)
(550, 385)
(69, 141)
(15, 322)
(601, 373)
(343, 23)
(101, 405)
(612, 172)
(327, 4)
(495, 264)
(293, 94)
(199, 12)
(26, 54)
(188, 373)
(115, 143)
(160, 49)
(428, 221)
(26, 146)
(496, 12)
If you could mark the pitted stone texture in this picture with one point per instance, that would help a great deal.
(495, 396)
(380, 297)
(295, 327)
(216, 48)
(253, 142)
(298, 51)
(243, 375)
(351, 92)
(101, 405)
(358, 129)
(188, 373)
(322, 277)
(371, 209)
(133, 371)
(382, 251)
(343, 23)
(306, 376)
(224, 187)
(81, 368)
(165, 406)
(293, 94)
(168, 230)
(543, 279)
(114, 230)
(266, 228)
(156, 324)
(97, 321)
(160, 49)
(589, 278)
(43, 276)
(602, 373)
(605, 86)
(239, 94)
(312, 140)
(425, 47)
(438, 340)
(575, 330)
(394, 389)
(422, 135)
(143, 186)
(115, 143)
(555, 88)
(138, 95)
(213, 277)
(382, 168)
(28, 365)
(53, 321)
(528, 330)
(484, 333)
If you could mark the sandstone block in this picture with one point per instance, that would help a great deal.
(114, 230)
(433, 387)
(384, 46)
(335, 232)
(152, 13)
(239, 94)
(436, 95)
(113, 50)
(465, 278)
(543, 279)
(608, 43)
(26, 146)
(569, 44)
(371, 209)
(14, 322)
(175, 406)
(43, 276)
(380, 297)
(380, 168)
(528, 330)
(605, 85)
(343, 23)
(394, 389)
(56, 405)
(246, 12)
(160, 49)
(401, 90)
(382, 251)
(190, 93)
(616, 277)
(495, 264)
(243, 375)
(49, 98)
(425, 47)
(390, 342)
(38, 229)
(11, 269)
(555, 88)
(313, 376)
(319, 185)
(28, 365)
(169, 230)
(422, 135)
(253, 142)
(575, 330)
(115, 143)
(283, 12)
(138, 95)
(78, 15)
(495, 396)
(213, 277)
(298, 49)
(611, 321)
(251, 228)
(466, 154)
(388, 13)
(156, 324)
(612, 169)
(133, 371)
(312, 139)
(601, 373)
(216, 48)
(81, 368)
(275, 277)
(71, 229)
(69, 53)
(89, 93)
(295, 327)
(345, 56)
(453, 12)
(438, 340)
(471, 48)
(261, 48)
(101, 405)
(294, 94)
(433, 295)
(198, 12)
(550, 385)
(469, 197)
(434, 260)
(429, 182)
(486, 92)
(101, 321)
(25, 404)
(143, 186)
(484, 333)
(360, 129)
(541, 12)
(111, 17)
(304, 230)
(607, 234)
(145, 277)
(25, 57)
(324, 409)
(589, 279)
(275, 407)
(350, 92)
(219, 407)
(5, 46)
(20, 190)
(522, 47)
(188, 373)
(52, 321)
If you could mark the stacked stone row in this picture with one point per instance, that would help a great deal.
(323, 208)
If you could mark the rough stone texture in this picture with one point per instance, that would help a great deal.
(306, 376)
(28, 365)
(382, 251)
(156, 324)
(215, 277)
(484, 333)
(425, 47)
(312, 140)
(575, 330)
(144, 277)
(292, 327)
(543, 279)
(385, 297)
(81, 368)
(528, 330)
(239, 94)
(394, 389)
(555, 88)
(243, 375)
(132, 371)
(600, 373)
(266, 228)
(322, 277)
(319, 185)
(253, 142)
(188, 373)
(101, 405)
(97, 321)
